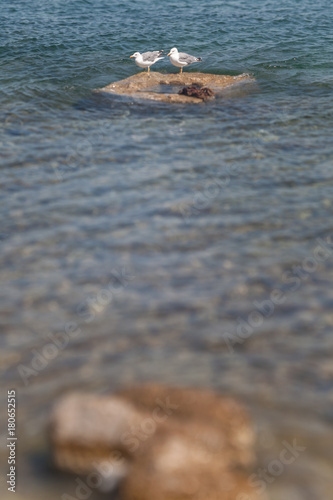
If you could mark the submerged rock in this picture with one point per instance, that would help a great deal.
(150, 85)
(156, 442)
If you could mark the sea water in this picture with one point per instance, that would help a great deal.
(192, 244)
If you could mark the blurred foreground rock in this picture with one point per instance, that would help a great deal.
(156, 86)
(157, 443)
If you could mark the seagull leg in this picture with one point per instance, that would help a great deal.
(148, 69)
(181, 69)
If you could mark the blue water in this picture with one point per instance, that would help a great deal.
(158, 232)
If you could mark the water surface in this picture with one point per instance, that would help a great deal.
(186, 244)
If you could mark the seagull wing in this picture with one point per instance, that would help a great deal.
(186, 58)
(151, 56)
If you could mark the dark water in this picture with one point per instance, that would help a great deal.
(190, 245)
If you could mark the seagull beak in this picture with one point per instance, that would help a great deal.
(131, 56)
(169, 54)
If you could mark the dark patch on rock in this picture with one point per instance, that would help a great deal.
(195, 90)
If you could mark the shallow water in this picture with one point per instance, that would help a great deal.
(156, 234)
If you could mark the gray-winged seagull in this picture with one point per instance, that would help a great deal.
(146, 59)
(180, 59)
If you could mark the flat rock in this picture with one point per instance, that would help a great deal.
(156, 86)
(157, 442)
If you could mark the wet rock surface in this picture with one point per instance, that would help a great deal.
(156, 442)
(145, 85)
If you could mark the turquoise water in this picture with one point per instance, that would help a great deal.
(157, 236)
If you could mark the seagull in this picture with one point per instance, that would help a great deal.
(146, 59)
(180, 59)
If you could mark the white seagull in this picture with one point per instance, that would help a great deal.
(146, 59)
(180, 59)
